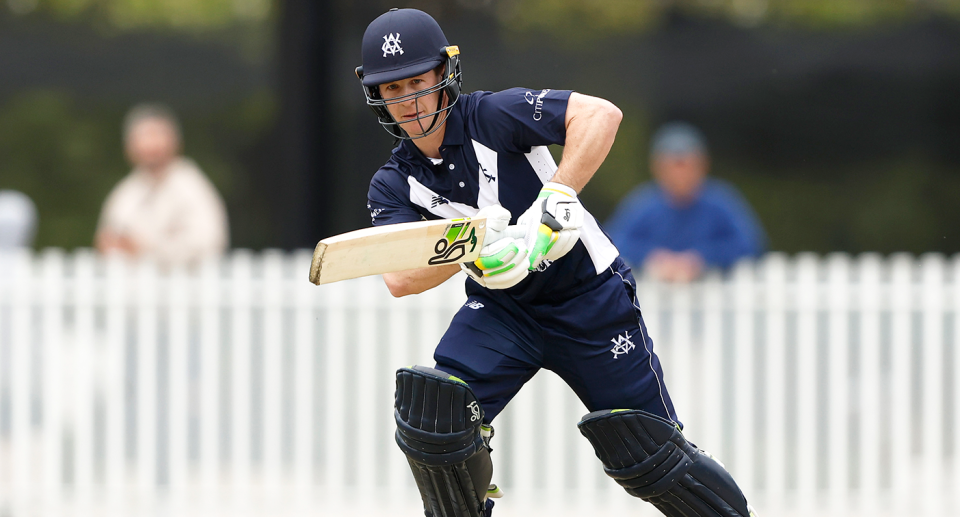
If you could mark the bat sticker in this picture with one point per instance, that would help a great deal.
(453, 246)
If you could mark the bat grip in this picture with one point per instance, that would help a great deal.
(510, 232)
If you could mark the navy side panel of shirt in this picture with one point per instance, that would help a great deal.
(507, 124)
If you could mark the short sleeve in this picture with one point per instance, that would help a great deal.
(385, 201)
(517, 119)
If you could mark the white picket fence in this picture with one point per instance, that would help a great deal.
(827, 385)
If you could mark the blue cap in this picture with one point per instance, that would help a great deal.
(678, 138)
(401, 43)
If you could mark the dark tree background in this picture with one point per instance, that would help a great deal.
(844, 137)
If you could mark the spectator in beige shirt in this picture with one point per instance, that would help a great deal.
(166, 208)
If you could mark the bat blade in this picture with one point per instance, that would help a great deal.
(396, 247)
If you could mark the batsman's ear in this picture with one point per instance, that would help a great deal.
(359, 72)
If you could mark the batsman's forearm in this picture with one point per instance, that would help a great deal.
(592, 125)
(416, 281)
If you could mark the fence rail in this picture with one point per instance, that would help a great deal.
(828, 385)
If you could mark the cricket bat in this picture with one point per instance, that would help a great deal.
(397, 247)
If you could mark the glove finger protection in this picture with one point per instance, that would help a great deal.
(566, 240)
(498, 218)
(553, 223)
(502, 264)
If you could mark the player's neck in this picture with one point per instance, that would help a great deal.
(430, 144)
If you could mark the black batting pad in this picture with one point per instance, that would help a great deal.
(651, 459)
(438, 428)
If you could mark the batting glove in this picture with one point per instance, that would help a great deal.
(503, 258)
(553, 223)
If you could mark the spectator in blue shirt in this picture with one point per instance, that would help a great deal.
(684, 222)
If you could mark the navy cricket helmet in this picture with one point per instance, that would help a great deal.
(404, 43)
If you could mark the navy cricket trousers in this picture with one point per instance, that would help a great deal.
(595, 341)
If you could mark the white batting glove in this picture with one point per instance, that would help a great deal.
(503, 259)
(553, 223)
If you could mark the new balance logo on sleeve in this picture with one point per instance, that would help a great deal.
(436, 201)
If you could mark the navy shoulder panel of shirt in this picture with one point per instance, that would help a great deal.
(388, 195)
(518, 119)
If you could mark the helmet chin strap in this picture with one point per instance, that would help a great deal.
(435, 115)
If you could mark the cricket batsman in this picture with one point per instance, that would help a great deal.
(548, 291)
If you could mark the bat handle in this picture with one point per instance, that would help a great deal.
(510, 232)
(515, 232)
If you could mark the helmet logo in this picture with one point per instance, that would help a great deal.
(391, 45)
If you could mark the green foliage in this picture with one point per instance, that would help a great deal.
(576, 20)
(833, 13)
(64, 157)
(192, 14)
(883, 207)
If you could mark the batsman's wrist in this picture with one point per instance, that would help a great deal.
(552, 186)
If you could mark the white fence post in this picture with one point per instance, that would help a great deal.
(52, 413)
(178, 303)
(954, 297)
(304, 310)
(837, 452)
(148, 329)
(932, 410)
(240, 287)
(22, 468)
(366, 351)
(115, 388)
(899, 385)
(807, 339)
(81, 373)
(742, 463)
(211, 370)
(870, 387)
(775, 377)
(335, 380)
(272, 294)
(711, 435)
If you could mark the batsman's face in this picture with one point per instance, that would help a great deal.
(412, 111)
(680, 175)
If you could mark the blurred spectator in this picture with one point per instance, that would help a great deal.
(684, 222)
(166, 208)
(18, 220)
